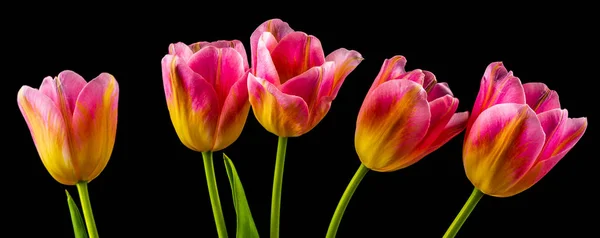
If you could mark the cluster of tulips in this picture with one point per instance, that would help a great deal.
(514, 135)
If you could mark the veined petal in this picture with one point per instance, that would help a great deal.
(181, 50)
(192, 102)
(95, 125)
(221, 67)
(429, 81)
(540, 98)
(49, 133)
(235, 44)
(392, 120)
(497, 86)
(296, 53)
(276, 27)
(502, 146)
(263, 66)
(233, 115)
(279, 113)
(391, 69)
(345, 62)
(562, 133)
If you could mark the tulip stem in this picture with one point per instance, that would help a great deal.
(213, 193)
(460, 219)
(86, 206)
(339, 211)
(277, 184)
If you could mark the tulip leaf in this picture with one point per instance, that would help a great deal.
(78, 225)
(245, 223)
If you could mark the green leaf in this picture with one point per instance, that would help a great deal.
(245, 224)
(78, 225)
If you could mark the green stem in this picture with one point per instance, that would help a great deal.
(213, 192)
(86, 206)
(277, 182)
(339, 211)
(464, 213)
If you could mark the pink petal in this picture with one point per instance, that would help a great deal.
(439, 90)
(233, 115)
(264, 67)
(429, 81)
(501, 147)
(497, 86)
(279, 113)
(391, 69)
(455, 126)
(540, 98)
(276, 27)
(345, 62)
(391, 122)
(235, 44)
(221, 67)
(49, 132)
(562, 134)
(95, 125)
(308, 84)
(181, 50)
(295, 54)
(442, 110)
(64, 92)
(416, 76)
(193, 104)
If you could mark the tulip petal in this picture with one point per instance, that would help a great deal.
(392, 120)
(63, 91)
(429, 81)
(279, 113)
(391, 69)
(439, 90)
(276, 27)
(497, 86)
(233, 115)
(181, 50)
(192, 102)
(49, 132)
(221, 67)
(345, 62)
(296, 53)
(502, 146)
(442, 110)
(455, 126)
(540, 98)
(95, 125)
(235, 44)
(265, 68)
(562, 134)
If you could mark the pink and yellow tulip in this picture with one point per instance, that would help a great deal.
(206, 90)
(517, 134)
(404, 117)
(73, 124)
(292, 83)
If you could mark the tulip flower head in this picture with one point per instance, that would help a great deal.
(73, 124)
(516, 134)
(292, 83)
(404, 117)
(206, 90)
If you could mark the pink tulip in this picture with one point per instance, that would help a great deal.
(517, 134)
(73, 124)
(292, 83)
(206, 90)
(404, 117)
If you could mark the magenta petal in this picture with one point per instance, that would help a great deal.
(345, 62)
(439, 90)
(416, 76)
(276, 27)
(233, 114)
(71, 85)
(442, 110)
(455, 126)
(564, 136)
(391, 69)
(221, 67)
(296, 53)
(429, 81)
(305, 85)
(540, 98)
(235, 44)
(264, 67)
(182, 50)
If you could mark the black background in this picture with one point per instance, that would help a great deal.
(155, 186)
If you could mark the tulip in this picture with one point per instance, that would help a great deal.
(206, 90)
(517, 134)
(404, 117)
(73, 124)
(291, 87)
